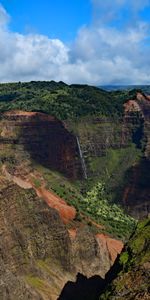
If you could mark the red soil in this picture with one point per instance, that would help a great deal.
(66, 212)
(114, 246)
(131, 105)
(72, 233)
(20, 113)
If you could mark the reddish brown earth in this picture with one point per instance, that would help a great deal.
(131, 105)
(114, 246)
(72, 233)
(66, 212)
(27, 115)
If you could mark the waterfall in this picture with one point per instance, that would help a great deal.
(82, 159)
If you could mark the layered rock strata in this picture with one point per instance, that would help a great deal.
(136, 196)
(38, 256)
(43, 138)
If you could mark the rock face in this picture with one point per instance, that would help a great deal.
(37, 254)
(31, 234)
(133, 282)
(42, 138)
(139, 111)
(109, 243)
(137, 192)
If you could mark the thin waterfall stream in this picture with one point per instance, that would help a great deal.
(82, 159)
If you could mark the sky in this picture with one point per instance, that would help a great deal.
(76, 41)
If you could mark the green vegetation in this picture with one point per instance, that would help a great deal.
(61, 186)
(107, 213)
(140, 243)
(37, 182)
(62, 100)
(93, 206)
(132, 282)
(39, 284)
(111, 170)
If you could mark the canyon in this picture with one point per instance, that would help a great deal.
(33, 253)
(44, 244)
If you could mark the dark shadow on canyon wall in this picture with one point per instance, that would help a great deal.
(50, 144)
(83, 288)
(89, 289)
(136, 192)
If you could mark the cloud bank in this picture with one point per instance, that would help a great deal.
(102, 53)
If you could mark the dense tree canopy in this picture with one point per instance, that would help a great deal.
(62, 100)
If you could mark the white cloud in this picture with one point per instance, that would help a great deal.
(99, 55)
(114, 5)
(28, 57)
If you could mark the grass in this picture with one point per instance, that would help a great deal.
(94, 206)
(140, 243)
(36, 182)
(111, 215)
(39, 284)
(111, 170)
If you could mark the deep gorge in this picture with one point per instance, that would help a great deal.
(52, 245)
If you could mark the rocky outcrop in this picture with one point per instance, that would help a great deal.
(110, 245)
(132, 281)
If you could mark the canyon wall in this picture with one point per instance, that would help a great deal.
(117, 152)
(39, 137)
(113, 150)
(42, 243)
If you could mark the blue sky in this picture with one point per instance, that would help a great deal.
(83, 41)
(56, 19)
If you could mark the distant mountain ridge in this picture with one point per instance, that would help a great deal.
(111, 88)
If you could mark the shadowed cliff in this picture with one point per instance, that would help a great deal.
(45, 139)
